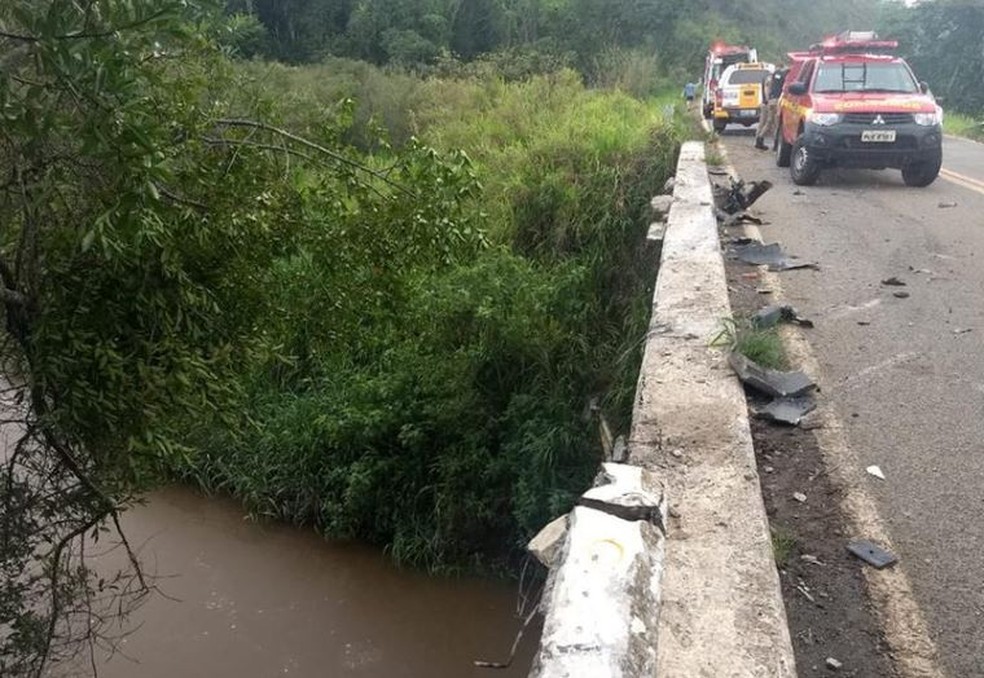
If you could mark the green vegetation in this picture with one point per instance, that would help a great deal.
(762, 345)
(365, 300)
(443, 417)
(784, 542)
(942, 40)
(586, 34)
(961, 125)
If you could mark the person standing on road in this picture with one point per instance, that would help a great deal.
(769, 114)
(689, 92)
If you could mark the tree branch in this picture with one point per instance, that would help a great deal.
(82, 35)
(252, 124)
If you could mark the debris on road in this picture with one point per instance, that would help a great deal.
(963, 330)
(669, 185)
(900, 295)
(787, 410)
(876, 472)
(812, 560)
(833, 664)
(800, 497)
(773, 315)
(864, 323)
(740, 196)
(874, 555)
(947, 205)
(771, 382)
(771, 255)
(717, 171)
(728, 220)
(893, 282)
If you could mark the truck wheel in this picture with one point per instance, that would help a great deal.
(803, 167)
(782, 149)
(922, 174)
(719, 126)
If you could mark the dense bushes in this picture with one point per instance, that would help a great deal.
(440, 409)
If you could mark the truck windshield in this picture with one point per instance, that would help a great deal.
(865, 77)
(746, 77)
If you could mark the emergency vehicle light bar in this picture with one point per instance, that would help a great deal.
(854, 41)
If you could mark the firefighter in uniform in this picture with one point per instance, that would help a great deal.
(769, 115)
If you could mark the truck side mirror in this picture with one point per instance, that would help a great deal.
(924, 87)
(797, 89)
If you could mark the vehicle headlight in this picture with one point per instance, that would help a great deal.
(928, 119)
(825, 119)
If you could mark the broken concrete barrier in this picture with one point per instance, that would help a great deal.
(601, 601)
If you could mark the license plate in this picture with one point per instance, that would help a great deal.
(751, 114)
(886, 136)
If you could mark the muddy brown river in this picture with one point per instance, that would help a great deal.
(251, 600)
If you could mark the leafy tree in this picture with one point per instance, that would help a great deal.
(142, 221)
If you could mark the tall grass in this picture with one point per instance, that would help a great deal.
(450, 426)
(962, 125)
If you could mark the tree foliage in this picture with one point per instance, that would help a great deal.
(143, 219)
(945, 44)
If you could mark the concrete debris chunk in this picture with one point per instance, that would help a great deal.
(787, 410)
(833, 664)
(893, 282)
(872, 554)
(876, 472)
(620, 453)
(900, 295)
(963, 330)
(669, 185)
(800, 497)
(661, 205)
(546, 544)
(771, 382)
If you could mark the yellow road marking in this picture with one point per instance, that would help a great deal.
(962, 180)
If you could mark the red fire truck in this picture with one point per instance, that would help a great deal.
(718, 58)
(851, 102)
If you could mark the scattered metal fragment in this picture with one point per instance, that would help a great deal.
(771, 255)
(803, 589)
(947, 205)
(799, 496)
(813, 560)
(876, 472)
(773, 315)
(900, 295)
(788, 410)
(739, 196)
(833, 664)
(893, 282)
(872, 554)
(771, 382)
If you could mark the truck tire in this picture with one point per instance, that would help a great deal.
(720, 125)
(922, 174)
(782, 149)
(803, 167)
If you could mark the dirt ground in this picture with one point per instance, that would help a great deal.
(822, 585)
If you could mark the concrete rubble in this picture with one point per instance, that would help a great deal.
(602, 598)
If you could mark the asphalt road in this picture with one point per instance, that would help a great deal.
(906, 374)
